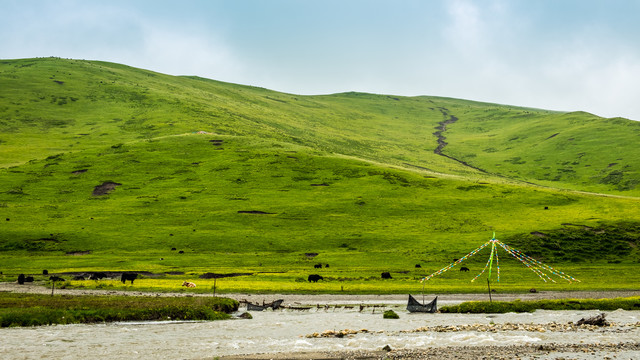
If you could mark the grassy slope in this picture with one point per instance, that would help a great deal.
(136, 128)
(113, 103)
(54, 105)
(576, 150)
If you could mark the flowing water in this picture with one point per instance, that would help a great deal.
(287, 330)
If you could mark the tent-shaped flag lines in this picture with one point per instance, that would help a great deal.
(542, 270)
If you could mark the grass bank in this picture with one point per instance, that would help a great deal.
(630, 303)
(35, 310)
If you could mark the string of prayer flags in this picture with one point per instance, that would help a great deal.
(544, 271)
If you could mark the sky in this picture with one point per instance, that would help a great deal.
(564, 55)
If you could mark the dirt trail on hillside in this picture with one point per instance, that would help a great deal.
(440, 129)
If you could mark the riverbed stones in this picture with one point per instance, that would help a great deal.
(338, 333)
(492, 328)
(555, 327)
(245, 315)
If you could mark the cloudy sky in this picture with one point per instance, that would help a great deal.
(560, 55)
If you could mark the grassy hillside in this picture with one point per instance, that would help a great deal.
(53, 105)
(353, 177)
(575, 150)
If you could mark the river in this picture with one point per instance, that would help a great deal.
(289, 331)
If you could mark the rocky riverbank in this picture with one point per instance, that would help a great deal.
(511, 352)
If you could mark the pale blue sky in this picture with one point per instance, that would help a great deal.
(552, 54)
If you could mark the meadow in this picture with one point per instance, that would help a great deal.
(247, 180)
(486, 307)
(37, 310)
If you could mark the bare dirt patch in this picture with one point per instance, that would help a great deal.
(255, 212)
(79, 253)
(105, 188)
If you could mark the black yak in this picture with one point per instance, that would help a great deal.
(385, 275)
(128, 277)
(464, 268)
(315, 278)
(97, 276)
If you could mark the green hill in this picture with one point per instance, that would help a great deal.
(121, 165)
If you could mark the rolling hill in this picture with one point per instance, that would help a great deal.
(119, 165)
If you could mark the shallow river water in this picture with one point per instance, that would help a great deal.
(287, 330)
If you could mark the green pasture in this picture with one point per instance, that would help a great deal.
(488, 307)
(35, 310)
(348, 279)
(244, 179)
(309, 202)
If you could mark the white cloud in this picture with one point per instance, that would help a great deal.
(185, 52)
(466, 30)
(598, 79)
(112, 32)
(494, 53)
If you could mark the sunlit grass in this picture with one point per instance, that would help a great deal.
(515, 278)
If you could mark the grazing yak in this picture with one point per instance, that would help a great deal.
(128, 277)
(464, 268)
(28, 279)
(21, 279)
(97, 276)
(385, 275)
(55, 278)
(317, 266)
(188, 284)
(315, 278)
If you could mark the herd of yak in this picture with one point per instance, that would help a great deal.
(131, 276)
(126, 276)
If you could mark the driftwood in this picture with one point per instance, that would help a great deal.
(275, 305)
(297, 308)
(598, 320)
